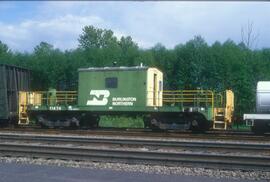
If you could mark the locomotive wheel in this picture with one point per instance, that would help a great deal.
(73, 126)
(43, 126)
(147, 121)
(89, 121)
(151, 122)
(95, 121)
(198, 123)
(153, 125)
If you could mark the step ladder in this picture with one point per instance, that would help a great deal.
(219, 122)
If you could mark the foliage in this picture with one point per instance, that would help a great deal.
(192, 65)
(121, 122)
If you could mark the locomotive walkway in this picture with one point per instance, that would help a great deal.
(161, 152)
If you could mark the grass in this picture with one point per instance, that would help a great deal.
(241, 127)
(121, 122)
(137, 122)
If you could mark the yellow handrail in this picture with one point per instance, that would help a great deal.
(197, 97)
(41, 97)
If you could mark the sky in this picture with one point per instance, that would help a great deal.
(23, 25)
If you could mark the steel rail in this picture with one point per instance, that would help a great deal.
(211, 135)
(144, 157)
(157, 143)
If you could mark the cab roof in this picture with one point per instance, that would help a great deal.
(121, 68)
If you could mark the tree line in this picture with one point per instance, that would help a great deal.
(192, 65)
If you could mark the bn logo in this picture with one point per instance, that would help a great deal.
(98, 97)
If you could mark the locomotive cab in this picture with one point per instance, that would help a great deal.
(115, 89)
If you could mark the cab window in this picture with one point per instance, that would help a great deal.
(111, 82)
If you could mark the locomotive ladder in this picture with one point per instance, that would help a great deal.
(220, 122)
(223, 112)
(23, 118)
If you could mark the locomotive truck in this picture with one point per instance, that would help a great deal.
(129, 91)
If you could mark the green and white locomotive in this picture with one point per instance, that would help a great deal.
(129, 91)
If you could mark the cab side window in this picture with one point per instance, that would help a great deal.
(111, 82)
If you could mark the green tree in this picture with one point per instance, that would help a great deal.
(100, 46)
(129, 52)
(5, 54)
(48, 66)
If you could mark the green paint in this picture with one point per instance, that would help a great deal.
(130, 84)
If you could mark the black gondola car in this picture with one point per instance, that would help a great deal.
(12, 80)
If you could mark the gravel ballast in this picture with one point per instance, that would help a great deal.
(165, 170)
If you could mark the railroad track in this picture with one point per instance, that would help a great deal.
(55, 147)
(149, 157)
(157, 143)
(210, 135)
